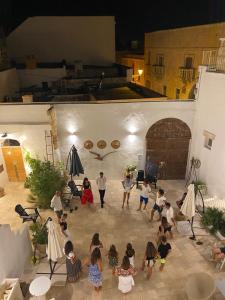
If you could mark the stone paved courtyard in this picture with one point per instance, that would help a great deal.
(119, 226)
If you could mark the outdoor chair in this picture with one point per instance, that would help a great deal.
(25, 216)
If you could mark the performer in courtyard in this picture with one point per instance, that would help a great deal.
(101, 183)
(87, 196)
(128, 184)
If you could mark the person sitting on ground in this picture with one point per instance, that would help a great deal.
(125, 273)
(164, 227)
(149, 258)
(159, 203)
(181, 201)
(218, 253)
(144, 194)
(163, 251)
(73, 264)
(95, 242)
(113, 258)
(56, 204)
(130, 253)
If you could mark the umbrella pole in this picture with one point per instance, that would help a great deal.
(192, 229)
(52, 268)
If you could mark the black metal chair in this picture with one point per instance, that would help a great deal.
(140, 179)
(25, 216)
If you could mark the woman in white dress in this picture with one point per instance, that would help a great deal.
(125, 274)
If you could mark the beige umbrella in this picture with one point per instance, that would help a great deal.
(54, 248)
(188, 207)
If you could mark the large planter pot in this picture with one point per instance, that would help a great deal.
(41, 249)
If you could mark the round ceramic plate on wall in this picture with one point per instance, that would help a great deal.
(88, 144)
(115, 144)
(101, 144)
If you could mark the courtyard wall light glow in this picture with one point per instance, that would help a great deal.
(140, 72)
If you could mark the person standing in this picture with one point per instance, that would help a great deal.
(95, 269)
(101, 183)
(170, 218)
(159, 203)
(149, 258)
(144, 195)
(87, 196)
(127, 185)
(56, 204)
(163, 250)
(73, 264)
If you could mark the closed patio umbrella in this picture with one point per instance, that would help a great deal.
(54, 247)
(188, 207)
(73, 164)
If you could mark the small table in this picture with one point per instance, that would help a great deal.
(39, 287)
(220, 284)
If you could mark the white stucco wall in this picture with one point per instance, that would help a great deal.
(51, 39)
(29, 77)
(27, 124)
(210, 116)
(15, 251)
(115, 121)
(9, 83)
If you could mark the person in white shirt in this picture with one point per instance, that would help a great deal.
(144, 195)
(170, 217)
(128, 184)
(159, 203)
(101, 183)
(56, 204)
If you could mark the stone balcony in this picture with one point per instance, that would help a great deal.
(187, 74)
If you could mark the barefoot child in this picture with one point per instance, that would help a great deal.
(113, 258)
(149, 258)
(163, 250)
(130, 253)
(144, 195)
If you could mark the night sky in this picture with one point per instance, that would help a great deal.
(133, 18)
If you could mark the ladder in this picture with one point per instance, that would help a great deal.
(49, 146)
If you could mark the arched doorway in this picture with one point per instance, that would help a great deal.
(167, 142)
(13, 158)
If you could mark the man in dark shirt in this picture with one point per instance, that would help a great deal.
(163, 250)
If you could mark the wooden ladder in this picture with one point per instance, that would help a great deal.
(49, 146)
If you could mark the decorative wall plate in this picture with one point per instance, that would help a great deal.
(101, 144)
(88, 144)
(115, 144)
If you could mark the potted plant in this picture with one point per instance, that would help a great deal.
(214, 220)
(200, 186)
(39, 237)
(43, 180)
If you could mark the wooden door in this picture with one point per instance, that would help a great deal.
(167, 142)
(14, 163)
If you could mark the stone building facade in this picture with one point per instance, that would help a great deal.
(172, 58)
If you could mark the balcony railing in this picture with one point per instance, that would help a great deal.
(158, 70)
(215, 59)
(187, 74)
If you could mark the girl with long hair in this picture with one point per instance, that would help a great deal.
(149, 258)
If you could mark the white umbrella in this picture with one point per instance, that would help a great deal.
(188, 207)
(54, 248)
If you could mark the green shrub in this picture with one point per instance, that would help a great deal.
(39, 234)
(44, 180)
(214, 218)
